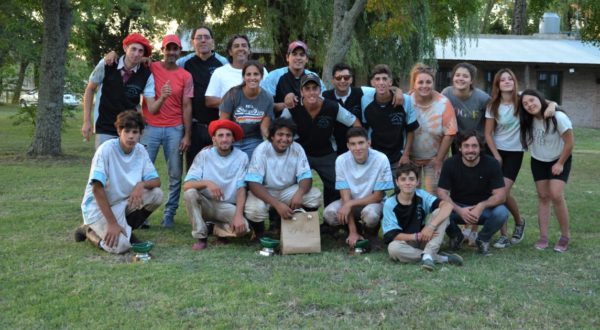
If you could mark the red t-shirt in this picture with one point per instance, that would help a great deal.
(171, 111)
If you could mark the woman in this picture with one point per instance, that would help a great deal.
(249, 106)
(550, 141)
(437, 126)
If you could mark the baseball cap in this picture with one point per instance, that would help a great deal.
(310, 77)
(171, 39)
(297, 44)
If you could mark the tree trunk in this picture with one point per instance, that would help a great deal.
(485, 22)
(519, 22)
(57, 28)
(343, 25)
(19, 85)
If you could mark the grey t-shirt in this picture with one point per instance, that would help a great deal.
(470, 113)
(248, 113)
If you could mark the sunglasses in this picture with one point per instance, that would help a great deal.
(346, 78)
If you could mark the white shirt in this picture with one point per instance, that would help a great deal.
(223, 79)
(227, 172)
(363, 179)
(507, 134)
(547, 145)
(277, 171)
(118, 173)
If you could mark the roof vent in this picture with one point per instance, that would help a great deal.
(550, 23)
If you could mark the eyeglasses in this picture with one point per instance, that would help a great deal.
(346, 78)
(202, 37)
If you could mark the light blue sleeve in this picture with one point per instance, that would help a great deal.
(149, 88)
(221, 59)
(345, 117)
(410, 112)
(384, 179)
(97, 76)
(428, 200)
(341, 182)
(269, 83)
(389, 221)
(181, 61)
(367, 98)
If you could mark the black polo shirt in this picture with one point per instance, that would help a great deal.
(352, 104)
(201, 72)
(314, 134)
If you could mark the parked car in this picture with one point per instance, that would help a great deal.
(70, 100)
(28, 98)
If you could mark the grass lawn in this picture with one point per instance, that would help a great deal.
(49, 281)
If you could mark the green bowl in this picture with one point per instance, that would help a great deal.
(143, 247)
(269, 242)
(362, 244)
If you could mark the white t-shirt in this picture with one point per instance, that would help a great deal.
(227, 172)
(223, 79)
(548, 145)
(507, 135)
(363, 179)
(278, 171)
(119, 173)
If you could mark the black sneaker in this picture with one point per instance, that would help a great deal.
(79, 233)
(483, 247)
(519, 233)
(453, 258)
(455, 242)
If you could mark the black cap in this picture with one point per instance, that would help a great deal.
(310, 77)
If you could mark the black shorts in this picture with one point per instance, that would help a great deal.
(543, 170)
(511, 163)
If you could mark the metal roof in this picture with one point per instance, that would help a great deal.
(528, 49)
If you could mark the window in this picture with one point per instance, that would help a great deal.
(443, 78)
(549, 83)
(489, 80)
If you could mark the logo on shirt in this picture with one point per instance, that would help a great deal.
(397, 119)
(323, 122)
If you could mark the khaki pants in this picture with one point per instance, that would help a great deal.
(412, 251)
(429, 178)
(369, 214)
(200, 207)
(258, 211)
(152, 199)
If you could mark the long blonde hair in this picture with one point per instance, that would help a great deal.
(420, 68)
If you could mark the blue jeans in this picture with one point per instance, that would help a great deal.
(248, 145)
(169, 138)
(492, 219)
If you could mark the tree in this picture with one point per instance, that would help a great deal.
(57, 29)
(519, 21)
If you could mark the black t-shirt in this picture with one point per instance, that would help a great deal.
(201, 72)
(352, 104)
(287, 83)
(315, 134)
(471, 185)
(411, 218)
(389, 125)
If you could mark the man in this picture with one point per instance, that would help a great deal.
(473, 184)
(279, 177)
(316, 118)
(410, 237)
(353, 99)
(123, 188)
(214, 186)
(120, 89)
(389, 124)
(284, 83)
(362, 175)
(170, 125)
(201, 64)
(229, 75)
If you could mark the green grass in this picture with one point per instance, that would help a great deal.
(49, 281)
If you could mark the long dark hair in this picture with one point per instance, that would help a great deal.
(233, 91)
(526, 118)
(494, 102)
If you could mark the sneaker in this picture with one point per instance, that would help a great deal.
(502, 242)
(519, 233)
(562, 245)
(483, 247)
(455, 242)
(167, 222)
(453, 258)
(80, 233)
(133, 239)
(541, 244)
(145, 225)
(200, 245)
(428, 265)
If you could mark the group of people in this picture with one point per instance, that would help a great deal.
(252, 138)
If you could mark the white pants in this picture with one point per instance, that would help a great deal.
(200, 207)
(258, 211)
(369, 214)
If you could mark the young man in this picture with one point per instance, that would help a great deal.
(410, 237)
(214, 186)
(170, 125)
(362, 175)
(120, 89)
(316, 118)
(284, 83)
(201, 64)
(123, 188)
(389, 124)
(473, 184)
(279, 177)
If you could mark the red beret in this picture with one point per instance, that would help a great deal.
(138, 39)
(237, 131)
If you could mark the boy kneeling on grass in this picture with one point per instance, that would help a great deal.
(409, 237)
(123, 189)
